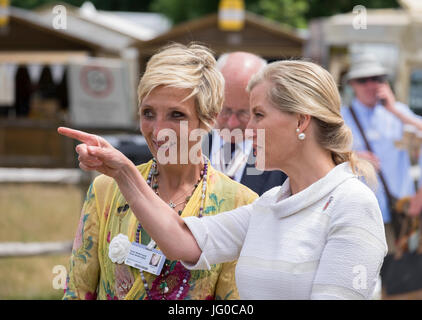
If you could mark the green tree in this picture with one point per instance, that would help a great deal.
(295, 13)
(290, 12)
(287, 11)
(183, 10)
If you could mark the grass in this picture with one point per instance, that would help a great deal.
(32, 213)
(30, 277)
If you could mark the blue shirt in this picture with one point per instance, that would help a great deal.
(382, 129)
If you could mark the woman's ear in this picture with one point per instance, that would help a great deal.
(303, 121)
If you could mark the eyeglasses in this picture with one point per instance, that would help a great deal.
(379, 79)
(242, 115)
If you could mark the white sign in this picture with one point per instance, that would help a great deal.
(101, 94)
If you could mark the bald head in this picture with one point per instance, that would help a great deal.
(237, 69)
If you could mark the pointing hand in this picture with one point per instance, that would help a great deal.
(95, 153)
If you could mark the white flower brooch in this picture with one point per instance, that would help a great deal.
(119, 248)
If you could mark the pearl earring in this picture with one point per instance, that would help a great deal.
(301, 136)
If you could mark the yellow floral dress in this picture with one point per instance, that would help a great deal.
(105, 214)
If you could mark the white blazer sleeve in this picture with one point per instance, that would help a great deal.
(220, 237)
(354, 251)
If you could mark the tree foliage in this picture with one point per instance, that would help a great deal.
(183, 10)
(290, 12)
(295, 13)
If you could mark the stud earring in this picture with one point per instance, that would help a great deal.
(301, 136)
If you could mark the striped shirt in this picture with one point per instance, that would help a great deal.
(383, 129)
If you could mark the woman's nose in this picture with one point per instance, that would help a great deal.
(250, 132)
(158, 126)
(250, 125)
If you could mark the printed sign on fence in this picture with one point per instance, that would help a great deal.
(101, 94)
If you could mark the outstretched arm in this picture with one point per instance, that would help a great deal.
(161, 222)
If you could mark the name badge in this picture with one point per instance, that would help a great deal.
(143, 258)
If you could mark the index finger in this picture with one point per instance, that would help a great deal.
(84, 137)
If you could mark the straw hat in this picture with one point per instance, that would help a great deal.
(365, 65)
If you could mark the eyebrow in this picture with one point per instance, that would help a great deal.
(144, 106)
(174, 108)
(169, 108)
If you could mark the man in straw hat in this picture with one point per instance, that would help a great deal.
(382, 119)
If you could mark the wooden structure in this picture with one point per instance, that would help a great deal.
(28, 136)
(268, 39)
(394, 35)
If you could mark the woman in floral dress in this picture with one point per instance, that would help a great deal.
(181, 91)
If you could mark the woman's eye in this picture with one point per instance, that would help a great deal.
(147, 113)
(177, 114)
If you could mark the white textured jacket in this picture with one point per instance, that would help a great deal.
(325, 242)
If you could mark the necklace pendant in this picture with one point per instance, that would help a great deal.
(172, 205)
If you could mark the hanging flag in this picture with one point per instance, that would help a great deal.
(34, 70)
(231, 15)
(4, 13)
(7, 88)
(57, 71)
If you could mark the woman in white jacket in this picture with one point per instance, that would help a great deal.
(318, 236)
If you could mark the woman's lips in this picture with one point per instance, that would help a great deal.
(162, 144)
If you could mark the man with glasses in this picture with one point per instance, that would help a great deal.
(228, 149)
(381, 119)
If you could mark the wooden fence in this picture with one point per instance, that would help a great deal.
(26, 249)
(30, 175)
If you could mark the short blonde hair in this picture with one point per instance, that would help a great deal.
(191, 66)
(302, 87)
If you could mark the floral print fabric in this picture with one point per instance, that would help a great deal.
(105, 214)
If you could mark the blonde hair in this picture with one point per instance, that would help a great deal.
(187, 67)
(301, 87)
